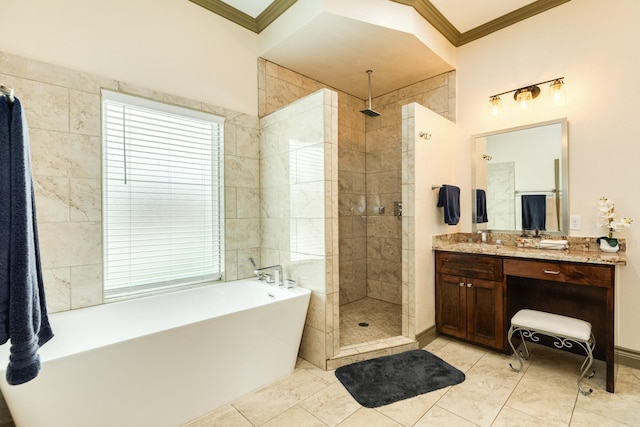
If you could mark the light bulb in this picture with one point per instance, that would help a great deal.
(524, 96)
(556, 90)
(496, 105)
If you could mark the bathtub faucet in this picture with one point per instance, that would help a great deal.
(262, 274)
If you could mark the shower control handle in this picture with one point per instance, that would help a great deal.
(397, 208)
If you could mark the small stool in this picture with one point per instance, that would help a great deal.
(564, 329)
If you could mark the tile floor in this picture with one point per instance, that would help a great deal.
(384, 320)
(543, 394)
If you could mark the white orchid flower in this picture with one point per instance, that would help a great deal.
(607, 217)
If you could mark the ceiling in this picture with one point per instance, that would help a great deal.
(339, 58)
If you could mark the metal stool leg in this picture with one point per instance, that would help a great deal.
(588, 347)
(524, 343)
(517, 353)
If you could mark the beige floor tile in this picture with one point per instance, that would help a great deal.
(438, 417)
(589, 419)
(270, 401)
(511, 418)
(622, 406)
(226, 416)
(628, 374)
(407, 412)
(496, 365)
(461, 355)
(365, 417)
(478, 399)
(488, 385)
(295, 417)
(329, 376)
(437, 344)
(546, 394)
(332, 404)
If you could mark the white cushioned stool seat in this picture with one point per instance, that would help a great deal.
(563, 329)
(553, 324)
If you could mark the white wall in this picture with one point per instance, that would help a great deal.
(435, 161)
(594, 46)
(173, 46)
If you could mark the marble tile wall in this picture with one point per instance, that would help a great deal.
(384, 179)
(279, 87)
(369, 176)
(63, 110)
(352, 200)
(299, 209)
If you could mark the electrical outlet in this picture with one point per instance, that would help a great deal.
(575, 222)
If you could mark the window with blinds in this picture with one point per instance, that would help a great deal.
(162, 196)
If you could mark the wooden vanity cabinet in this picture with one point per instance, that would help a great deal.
(476, 295)
(469, 298)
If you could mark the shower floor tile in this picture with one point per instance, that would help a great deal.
(384, 320)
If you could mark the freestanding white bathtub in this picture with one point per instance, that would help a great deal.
(162, 360)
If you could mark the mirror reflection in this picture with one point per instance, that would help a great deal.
(521, 179)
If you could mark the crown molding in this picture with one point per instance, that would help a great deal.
(509, 19)
(435, 18)
(424, 7)
(270, 14)
(232, 14)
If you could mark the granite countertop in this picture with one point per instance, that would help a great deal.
(570, 255)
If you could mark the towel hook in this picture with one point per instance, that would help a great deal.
(425, 135)
(8, 92)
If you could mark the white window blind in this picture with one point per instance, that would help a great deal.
(162, 195)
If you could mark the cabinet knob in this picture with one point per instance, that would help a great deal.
(461, 284)
(469, 285)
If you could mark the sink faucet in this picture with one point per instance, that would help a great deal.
(276, 278)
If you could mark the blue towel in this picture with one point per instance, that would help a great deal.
(449, 199)
(481, 206)
(534, 212)
(23, 310)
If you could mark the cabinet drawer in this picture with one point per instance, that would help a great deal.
(469, 265)
(583, 274)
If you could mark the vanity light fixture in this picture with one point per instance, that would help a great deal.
(556, 91)
(495, 104)
(526, 94)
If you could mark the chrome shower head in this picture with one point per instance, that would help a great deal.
(369, 111)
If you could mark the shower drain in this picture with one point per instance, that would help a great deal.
(363, 324)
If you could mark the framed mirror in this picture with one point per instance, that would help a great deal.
(520, 179)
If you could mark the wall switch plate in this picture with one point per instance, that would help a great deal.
(575, 222)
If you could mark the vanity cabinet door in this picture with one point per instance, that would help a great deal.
(467, 306)
(484, 312)
(451, 310)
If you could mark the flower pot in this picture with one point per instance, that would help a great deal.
(609, 244)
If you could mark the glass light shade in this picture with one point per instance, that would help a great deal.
(524, 97)
(495, 104)
(557, 91)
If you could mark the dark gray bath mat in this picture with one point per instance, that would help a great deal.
(387, 379)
